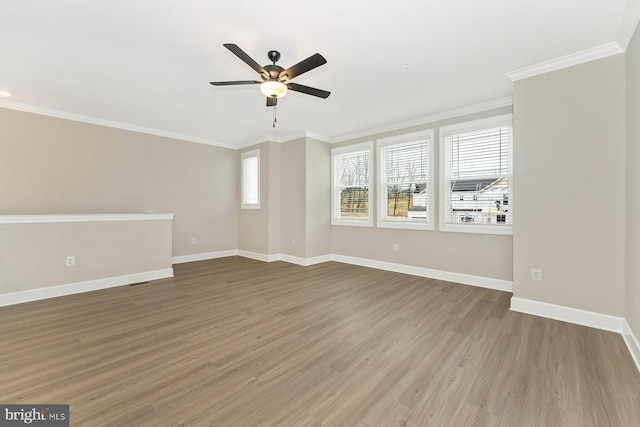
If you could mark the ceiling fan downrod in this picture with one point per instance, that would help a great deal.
(276, 80)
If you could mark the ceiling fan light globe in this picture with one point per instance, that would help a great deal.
(273, 89)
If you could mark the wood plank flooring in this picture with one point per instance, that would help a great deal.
(237, 342)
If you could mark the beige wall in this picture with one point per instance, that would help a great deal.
(273, 198)
(569, 150)
(569, 175)
(56, 166)
(482, 255)
(633, 184)
(318, 198)
(33, 255)
(259, 229)
(294, 202)
(293, 198)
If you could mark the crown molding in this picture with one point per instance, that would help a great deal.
(316, 136)
(270, 138)
(450, 114)
(107, 123)
(630, 19)
(581, 57)
(503, 102)
(282, 139)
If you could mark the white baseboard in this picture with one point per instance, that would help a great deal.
(258, 256)
(632, 343)
(465, 279)
(305, 262)
(551, 311)
(203, 256)
(568, 314)
(79, 287)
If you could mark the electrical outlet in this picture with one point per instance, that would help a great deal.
(395, 247)
(293, 242)
(194, 241)
(71, 261)
(536, 274)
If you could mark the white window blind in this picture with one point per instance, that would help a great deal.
(251, 180)
(405, 181)
(351, 181)
(477, 160)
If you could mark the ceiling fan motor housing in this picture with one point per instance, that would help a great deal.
(275, 79)
(273, 70)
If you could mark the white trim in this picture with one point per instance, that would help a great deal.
(630, 19)
(406, 223)
(79, 287)
(503, 230)
(465, 279)
(632, 343)
(445, 115)
(335, 184)
(568, 314)
(315, 136)
(258, 256)
(476, 108)
(305, 262)
(283, 139)
(352, 222)
(444, 133)
(180, 259)
(35, 219)
(251, 255)
(570, 60)
(244, 157)
(108, 123)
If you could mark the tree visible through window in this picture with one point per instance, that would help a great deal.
(405, 184)
(351, 177)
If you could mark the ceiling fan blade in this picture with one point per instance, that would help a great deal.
(308, 90)
(237, 82)
(246, 58)
(310, 63)
(272, 102)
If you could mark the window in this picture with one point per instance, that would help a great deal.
(405, 179)
(350, 198)
(476, 176)
(251, 179)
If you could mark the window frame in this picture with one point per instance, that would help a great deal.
(446, 132)
(244, 204)
(383, 220)
(336, 154)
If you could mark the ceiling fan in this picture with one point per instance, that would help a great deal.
(275, 79)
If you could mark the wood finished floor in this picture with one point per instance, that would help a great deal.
(237, 342)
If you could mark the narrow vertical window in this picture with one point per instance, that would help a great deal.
(351, 171)
(251, 179)
(405, 181)
(477, 176)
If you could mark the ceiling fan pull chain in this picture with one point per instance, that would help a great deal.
(275, 79)
(274, 115)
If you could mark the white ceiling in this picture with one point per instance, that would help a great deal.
(147, 64)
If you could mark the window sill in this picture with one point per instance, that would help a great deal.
(354, 223)
(505, 230)
(406, 225)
